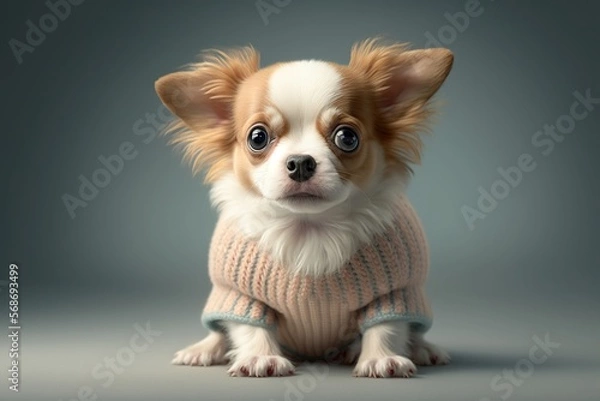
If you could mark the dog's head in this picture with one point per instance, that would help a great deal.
(305, 135)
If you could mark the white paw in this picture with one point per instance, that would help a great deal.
(262, 366)
(210, 351)
(424, 353)
(387, 366)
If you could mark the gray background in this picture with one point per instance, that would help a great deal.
(137, 252)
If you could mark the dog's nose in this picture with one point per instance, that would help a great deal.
(301, 167)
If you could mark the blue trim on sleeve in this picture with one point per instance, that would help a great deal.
(418, 323)
(213, 321)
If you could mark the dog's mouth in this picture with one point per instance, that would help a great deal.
(311, 199)
(302, 197)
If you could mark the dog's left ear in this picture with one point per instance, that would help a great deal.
(401, 77)
(403, 81)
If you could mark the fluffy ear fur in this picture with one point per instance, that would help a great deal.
(203, 99)
(404, 81)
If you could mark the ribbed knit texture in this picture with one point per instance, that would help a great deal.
(313, 315)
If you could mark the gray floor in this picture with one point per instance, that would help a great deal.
(62, 350)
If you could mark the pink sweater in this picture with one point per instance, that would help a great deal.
(315, 315)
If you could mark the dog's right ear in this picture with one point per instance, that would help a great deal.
(185, 94)
(202, 98)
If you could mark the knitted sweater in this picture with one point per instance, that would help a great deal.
(313, 315)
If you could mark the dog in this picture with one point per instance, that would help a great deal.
(317, 254)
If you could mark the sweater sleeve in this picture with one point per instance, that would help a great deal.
(229, 304)
(407, 304)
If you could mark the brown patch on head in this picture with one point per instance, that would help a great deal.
(353, 108)
(203, 99)
(252, 109)
(401, 83)
(385, 98)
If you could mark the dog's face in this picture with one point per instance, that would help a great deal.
(303, 141)
(306, 134)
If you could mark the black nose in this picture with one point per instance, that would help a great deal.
(301, 167)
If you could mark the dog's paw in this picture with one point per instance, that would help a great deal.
(209, 351)
(388, 366)
(424, 353)
(262, 366)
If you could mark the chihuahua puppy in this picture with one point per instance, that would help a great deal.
(317, 254)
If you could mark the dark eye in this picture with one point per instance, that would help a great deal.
(258, 138)
(345, 138)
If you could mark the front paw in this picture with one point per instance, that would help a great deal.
(424, 353)
(262, 366)
(210, 351)
(388, 366)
